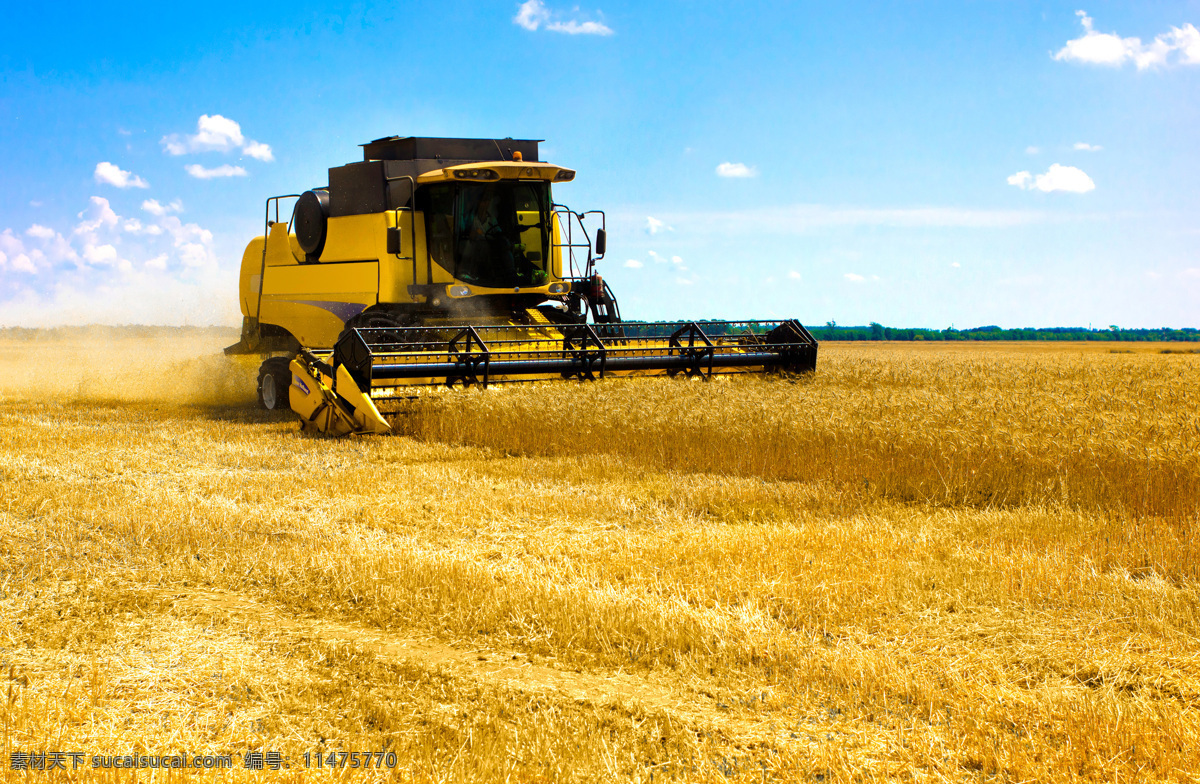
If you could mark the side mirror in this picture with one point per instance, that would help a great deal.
(601, 242)
(393, 241)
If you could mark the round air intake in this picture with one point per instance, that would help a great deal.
(308, 221)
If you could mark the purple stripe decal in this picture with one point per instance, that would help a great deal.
(343, 310)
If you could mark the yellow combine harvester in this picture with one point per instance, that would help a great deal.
(447, 261)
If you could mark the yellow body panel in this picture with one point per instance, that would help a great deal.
(396, 272)
(313, 300)
(356, 238)
(556, 270)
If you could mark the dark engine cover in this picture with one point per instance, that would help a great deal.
(308, 221)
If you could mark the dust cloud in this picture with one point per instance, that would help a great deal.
(126, 364)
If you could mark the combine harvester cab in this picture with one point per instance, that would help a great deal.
(439, 262)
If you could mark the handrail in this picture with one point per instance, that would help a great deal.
(562, 209)
(412, 222)
(262, 270)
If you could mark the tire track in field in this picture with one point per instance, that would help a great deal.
(506, 669)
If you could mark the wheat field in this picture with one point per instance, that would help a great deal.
(922, 562)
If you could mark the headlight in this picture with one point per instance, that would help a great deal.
(476, 174)
(564, 175)
(559, 288)
(458, 291)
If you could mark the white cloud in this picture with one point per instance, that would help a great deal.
(1111, 49)
(677, 260)
(259, 151)
(654, 225)
(115, 270)
(795, 275)
(1088, 147)
(135, 226)
(40, 231)
(534, 14)
(1031, 150)
(215, 133)
(10, 243)
(736, 170)
(531, 14)
(854, 277)
(154, 208)
(100, 254)
(1056, 178)
(1186, 40)
(102, 217)
(183, 233)
(23, 263)
(1020, 179)
(955, 264)
(224, 170)
(572, 27)
(193, 254)
(655, 257)
(109, 174)
(13, 255)
(633, 264)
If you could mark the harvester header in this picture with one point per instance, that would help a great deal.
(448, 262)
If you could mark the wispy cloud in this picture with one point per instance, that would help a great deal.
(854, 277)
(634, 264)
(737, 170)
(533, 15)
(1084, 146)
(110, 174)
(1056, 178)
(1179, 45)
(259, 151)
(215, 133)
(654, 225)
(225, 170)
(805, 218)
(154, 208)
(113, 269)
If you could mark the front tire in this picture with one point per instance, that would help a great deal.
(274, 378)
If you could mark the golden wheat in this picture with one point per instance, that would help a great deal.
(919, 563)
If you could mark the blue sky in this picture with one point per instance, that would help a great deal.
(1020, 164)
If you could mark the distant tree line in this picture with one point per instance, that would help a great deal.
(876, 331)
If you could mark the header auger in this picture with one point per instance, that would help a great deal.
(446, 262)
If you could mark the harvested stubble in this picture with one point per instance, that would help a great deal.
(921, 563)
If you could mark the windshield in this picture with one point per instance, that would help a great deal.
(489, 234)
